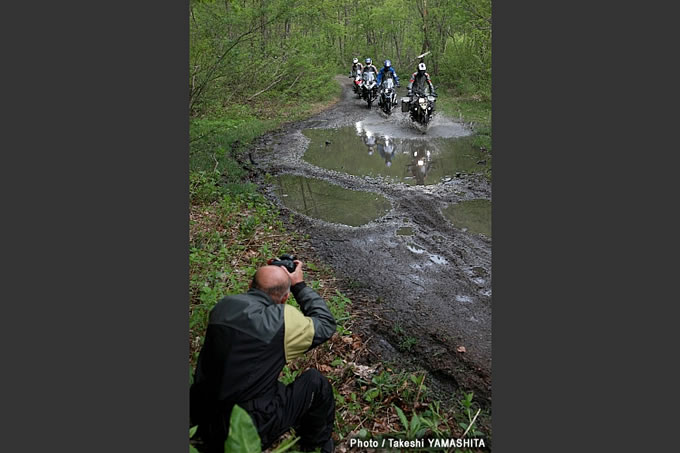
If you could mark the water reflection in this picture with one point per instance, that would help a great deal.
(421, 162)
(369, 141)
(471, 215)
(386, 150)
(361, 151)
(330, 202)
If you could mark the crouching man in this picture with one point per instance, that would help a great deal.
(249, 339)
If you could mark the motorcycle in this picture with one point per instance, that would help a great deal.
(369, 88)
(420, 107)
(388, 95)
(356, 84)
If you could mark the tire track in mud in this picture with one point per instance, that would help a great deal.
(433, 287)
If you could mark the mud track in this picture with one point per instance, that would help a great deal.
(415, 308)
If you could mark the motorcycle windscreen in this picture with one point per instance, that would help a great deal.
(368, 76)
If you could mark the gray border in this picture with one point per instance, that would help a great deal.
(96, 324)
(97, 223)
(571, 355)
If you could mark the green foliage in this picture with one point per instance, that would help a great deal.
(203, 187)
(467, 405)
(416, 428)
(243, 437)
(339, 304)
(219, 261)
(288, 376)
(255, 52)
(408, 343)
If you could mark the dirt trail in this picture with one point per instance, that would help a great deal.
(421, 296)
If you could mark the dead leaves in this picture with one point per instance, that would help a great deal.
(363, 371)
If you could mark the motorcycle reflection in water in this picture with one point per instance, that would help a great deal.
(421, 162)
(416, 156)
(386, 151)
(370, 141)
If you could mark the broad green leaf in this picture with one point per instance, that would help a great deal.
(371, 394)
(415, 423)
(243, 437)
(192, 449)
(402, 417)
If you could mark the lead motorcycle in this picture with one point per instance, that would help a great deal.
(388, 95)
(420, 107)
(369, 87)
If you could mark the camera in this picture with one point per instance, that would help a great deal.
(284, 260)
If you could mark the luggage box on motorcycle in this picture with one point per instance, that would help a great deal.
(405, 104)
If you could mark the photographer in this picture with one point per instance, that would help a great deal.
(249, 339)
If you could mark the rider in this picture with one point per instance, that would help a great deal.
(357, 67)
(419, 80)
(370, 67)
(388, 71)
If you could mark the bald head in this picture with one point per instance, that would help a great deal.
(274, 281)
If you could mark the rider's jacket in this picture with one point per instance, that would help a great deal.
(387, 72)
(419, 81)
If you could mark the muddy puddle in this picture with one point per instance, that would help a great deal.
(364, 151)
(329, 202)
(473, 216)
(404, 231)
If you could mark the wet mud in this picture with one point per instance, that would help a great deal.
(420, 281)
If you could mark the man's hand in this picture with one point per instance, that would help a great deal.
(297, 276)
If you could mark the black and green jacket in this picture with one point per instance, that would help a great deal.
(248, 341)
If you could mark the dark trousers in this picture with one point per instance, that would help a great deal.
(307, 405)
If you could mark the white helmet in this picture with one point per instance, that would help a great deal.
(421, 67)
(355, 61)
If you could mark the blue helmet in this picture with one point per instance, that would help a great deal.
(388, 63)
(369, 61)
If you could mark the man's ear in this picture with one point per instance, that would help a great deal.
(284, 298)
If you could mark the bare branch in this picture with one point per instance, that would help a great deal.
(265, 89)
(296, 79)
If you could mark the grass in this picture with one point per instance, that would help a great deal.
(470, 109)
